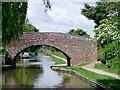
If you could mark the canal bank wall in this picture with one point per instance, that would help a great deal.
(4, 66)
(90, 82)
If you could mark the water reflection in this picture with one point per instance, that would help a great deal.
(36, 73)
(21, 77)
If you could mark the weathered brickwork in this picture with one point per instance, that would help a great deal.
(77, 49)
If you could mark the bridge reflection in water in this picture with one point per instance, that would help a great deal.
(36, 73)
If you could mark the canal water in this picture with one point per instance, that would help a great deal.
(36, 73)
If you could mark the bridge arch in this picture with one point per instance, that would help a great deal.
(68, 57)
(78, 49)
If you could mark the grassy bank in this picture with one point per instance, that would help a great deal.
(56, 60)
(82, 64)
(60, 54)
(103, 66)
(106, 80)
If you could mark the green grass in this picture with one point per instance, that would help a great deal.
(82, 64)
(60, 54)
(107, 80)
(111, 70)
(103, 66)
(100, 66)
(58, 61)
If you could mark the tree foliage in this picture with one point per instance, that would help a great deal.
(78, 32)
(107, 31)
(111, 50)
(105, 15)
(27, 27)
(100, 11)
(13, 18)
(107, 37)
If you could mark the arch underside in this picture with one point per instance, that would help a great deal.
(67, 56)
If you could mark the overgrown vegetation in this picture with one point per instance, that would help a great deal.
(107, 80)
(13, 18)
(105, 15)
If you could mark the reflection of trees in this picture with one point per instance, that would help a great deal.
(8, 78)
(26, 76)
(21, 76)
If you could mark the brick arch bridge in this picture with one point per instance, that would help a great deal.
(77, 49)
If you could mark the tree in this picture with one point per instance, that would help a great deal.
(106, 16)
(107, 31)
(78, 32)
(107, 37)
(29, 27)
(13, 18)
(100, 11)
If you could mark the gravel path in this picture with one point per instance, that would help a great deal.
(90, 67)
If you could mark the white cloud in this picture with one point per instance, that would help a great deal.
(63, 17)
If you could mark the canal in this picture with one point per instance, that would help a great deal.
(36, 73)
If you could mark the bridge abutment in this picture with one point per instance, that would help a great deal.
(10, 61)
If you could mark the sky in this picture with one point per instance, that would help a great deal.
(65, 15)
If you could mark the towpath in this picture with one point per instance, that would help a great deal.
(91, 68)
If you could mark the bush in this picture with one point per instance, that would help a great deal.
(110, 51)
(115, 63)
(100, 54)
